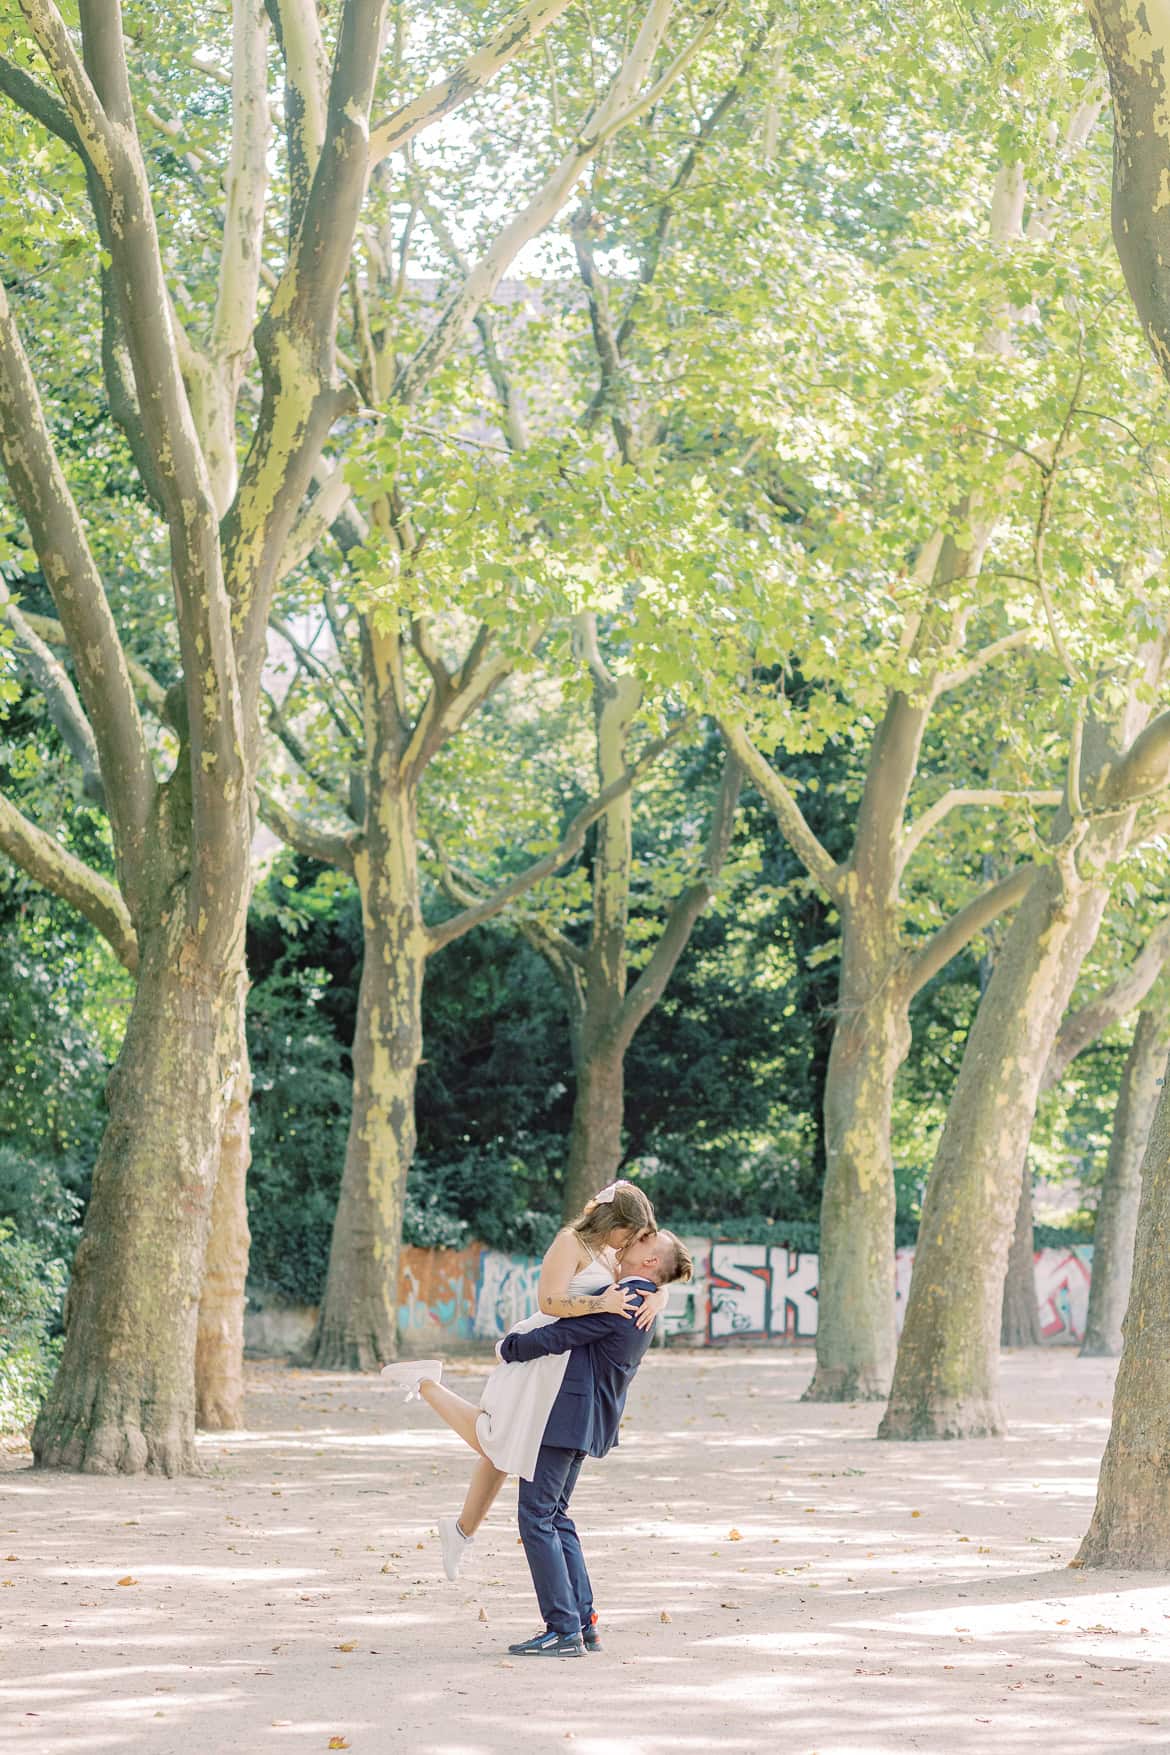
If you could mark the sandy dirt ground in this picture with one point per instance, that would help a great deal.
(768, 1576)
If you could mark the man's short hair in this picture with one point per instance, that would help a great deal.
(677, 1262)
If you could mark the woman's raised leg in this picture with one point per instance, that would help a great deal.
(461, 1416)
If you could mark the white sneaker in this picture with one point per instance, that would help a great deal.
(454, 1545)
(407, 1374)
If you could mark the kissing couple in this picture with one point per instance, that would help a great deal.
(558, 1397)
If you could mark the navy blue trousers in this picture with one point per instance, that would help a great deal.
(550, 1540)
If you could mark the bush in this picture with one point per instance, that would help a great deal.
(300, 1114)
(39, 1205)
(499, 1193)
(31, 1290)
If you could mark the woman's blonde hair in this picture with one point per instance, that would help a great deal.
(621, 1207)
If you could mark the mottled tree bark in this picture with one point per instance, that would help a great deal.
(219, 1340)
(946, 1377)
(605, 1011)
(1117, 1210)
(855, 1295)
(358, 1324)
(595, 1133)
(1020, 1315)
(1131, 1519)
(123, 1399)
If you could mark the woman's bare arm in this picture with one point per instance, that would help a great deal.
(557, 1269)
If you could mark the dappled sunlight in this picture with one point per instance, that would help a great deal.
(762, 1577)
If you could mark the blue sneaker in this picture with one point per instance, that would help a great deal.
(550, 1644)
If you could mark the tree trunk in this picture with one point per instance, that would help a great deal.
(946, 1376)
(1020, 1317)
(219, 1342)
(1117, 1210)
(357, 1329)
(1131, 1520)
(856, 1337)
(123, 1399)
(595, 1138)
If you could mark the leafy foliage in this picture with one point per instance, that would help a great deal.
(31, 1289)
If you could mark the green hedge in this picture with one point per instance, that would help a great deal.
(31, 1289)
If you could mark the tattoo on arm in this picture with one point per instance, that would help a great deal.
(582, 1306)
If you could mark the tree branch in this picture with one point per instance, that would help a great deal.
(610, 397)
(924, 964)
(1144, 767)
(146, 686)
(42, 493)
(298, 32)
(49, 675)
(329, 846)
(243, 220)
(1082, 1027)
(819, 864)
(619, 106)
(330, 501)
(570, 844)
(103, 114)
(647, 990)
(563, 958)
(449, 706)
(924, 825)
(515, 427)
(295, 343)
(296, 749)
(980, 661)
(38, 101)
(316, 668)
(68, 877)
(399, 128)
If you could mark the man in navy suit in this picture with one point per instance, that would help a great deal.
(604, 1353)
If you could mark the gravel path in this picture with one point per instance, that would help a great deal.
(769, 1578)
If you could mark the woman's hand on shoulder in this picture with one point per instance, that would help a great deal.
(653, 1305)
(617, 1299)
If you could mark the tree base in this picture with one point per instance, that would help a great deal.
(973, 1417)
(220, 1416)
(333, 1348)
(93, 1440)
(1131, 1534)
(847, 1383)
(1099, 1347)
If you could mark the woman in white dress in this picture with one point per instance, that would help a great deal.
(578, 1277)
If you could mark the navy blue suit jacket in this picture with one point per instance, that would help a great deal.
(604, 1352)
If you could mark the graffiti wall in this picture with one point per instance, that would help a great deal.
(741, 1291)
(758, 1290)
(506, 1292)
(437, 1292)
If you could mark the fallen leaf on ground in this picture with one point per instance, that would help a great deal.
(350, 1645)
(127, 1580)
(337, 1743)
(483, 1613)
(734, 1536)
(664, 1617)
